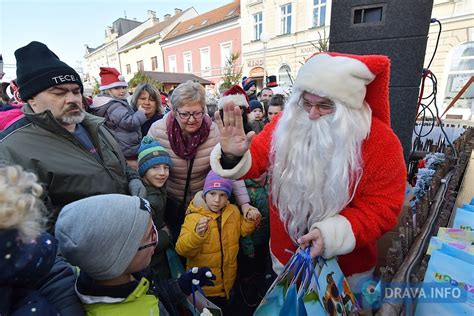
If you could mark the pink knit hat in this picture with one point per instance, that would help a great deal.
(216, 182)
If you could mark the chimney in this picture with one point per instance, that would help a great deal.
(167, 16)
(151, 14)
(177, 11)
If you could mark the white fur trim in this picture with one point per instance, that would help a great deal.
(277, 266)
(337, 235)
(113, 85)
(338, 78)
(238, 99)
(235, 173)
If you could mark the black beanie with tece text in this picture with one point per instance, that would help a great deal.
(38, 68)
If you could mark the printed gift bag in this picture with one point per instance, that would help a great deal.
(464, 219)
(335, 295)
(309, 287)
(456, 235)
(437, 242)
(448, 284)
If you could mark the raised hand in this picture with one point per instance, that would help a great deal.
(202, 225)
(233, 141)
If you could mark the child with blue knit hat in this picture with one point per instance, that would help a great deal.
(210, 236)
(154, 164)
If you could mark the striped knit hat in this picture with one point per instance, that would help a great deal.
(150, 154)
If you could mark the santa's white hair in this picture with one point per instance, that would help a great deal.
(316, 165)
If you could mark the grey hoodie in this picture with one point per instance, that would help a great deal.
(122, 120)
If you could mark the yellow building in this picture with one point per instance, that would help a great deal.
(277, 35)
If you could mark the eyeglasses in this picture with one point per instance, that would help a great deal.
(154, 238)
(186, 115)
(323, 108)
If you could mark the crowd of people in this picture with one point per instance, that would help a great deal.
(99, 197)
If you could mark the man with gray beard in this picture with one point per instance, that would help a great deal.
(337, 170)
(71, 151)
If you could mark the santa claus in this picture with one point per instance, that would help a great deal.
(337, 170)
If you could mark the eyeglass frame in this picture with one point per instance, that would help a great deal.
(188, 115)
(153, 243)
(329, 106)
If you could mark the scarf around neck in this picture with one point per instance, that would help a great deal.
(186, 146)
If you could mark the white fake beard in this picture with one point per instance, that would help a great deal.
(316, 165)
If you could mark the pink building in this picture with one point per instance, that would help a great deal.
(201, 45)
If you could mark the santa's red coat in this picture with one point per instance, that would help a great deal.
(373, 210)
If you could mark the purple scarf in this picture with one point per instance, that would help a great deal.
(186, 146)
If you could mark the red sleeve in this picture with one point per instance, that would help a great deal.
(380, 194)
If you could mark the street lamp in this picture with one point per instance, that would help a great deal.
(264, 37)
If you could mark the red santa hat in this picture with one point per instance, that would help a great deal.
(349, 79)
(235, 94)
(111, 78)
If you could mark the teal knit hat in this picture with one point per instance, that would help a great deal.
(150, 154)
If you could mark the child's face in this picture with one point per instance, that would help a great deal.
(258, 114)
(143, 257)
(157, 175)
(216, 200)
(118, 92)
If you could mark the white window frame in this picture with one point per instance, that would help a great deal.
(154, 63)
(172, 64)
(188, 62)
(456, 56)
(205, 60)
(223, 48)
(140, 65)
(257, 25)
(284, 15)
(281, 82)
(319, 7)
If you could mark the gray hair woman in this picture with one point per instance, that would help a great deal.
(189, 135)
(148, 98)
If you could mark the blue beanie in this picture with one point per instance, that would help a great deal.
(255, 104)
(150, 154)
(247, 83)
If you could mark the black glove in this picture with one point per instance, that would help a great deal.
(196, 276)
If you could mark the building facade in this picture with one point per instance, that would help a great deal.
(201, 45)
(278, 36)
(453, 63)
(143, 52)
(106, 55)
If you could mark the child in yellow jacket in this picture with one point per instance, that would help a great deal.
(210, 235)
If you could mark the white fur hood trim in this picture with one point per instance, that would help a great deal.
(238, 99)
